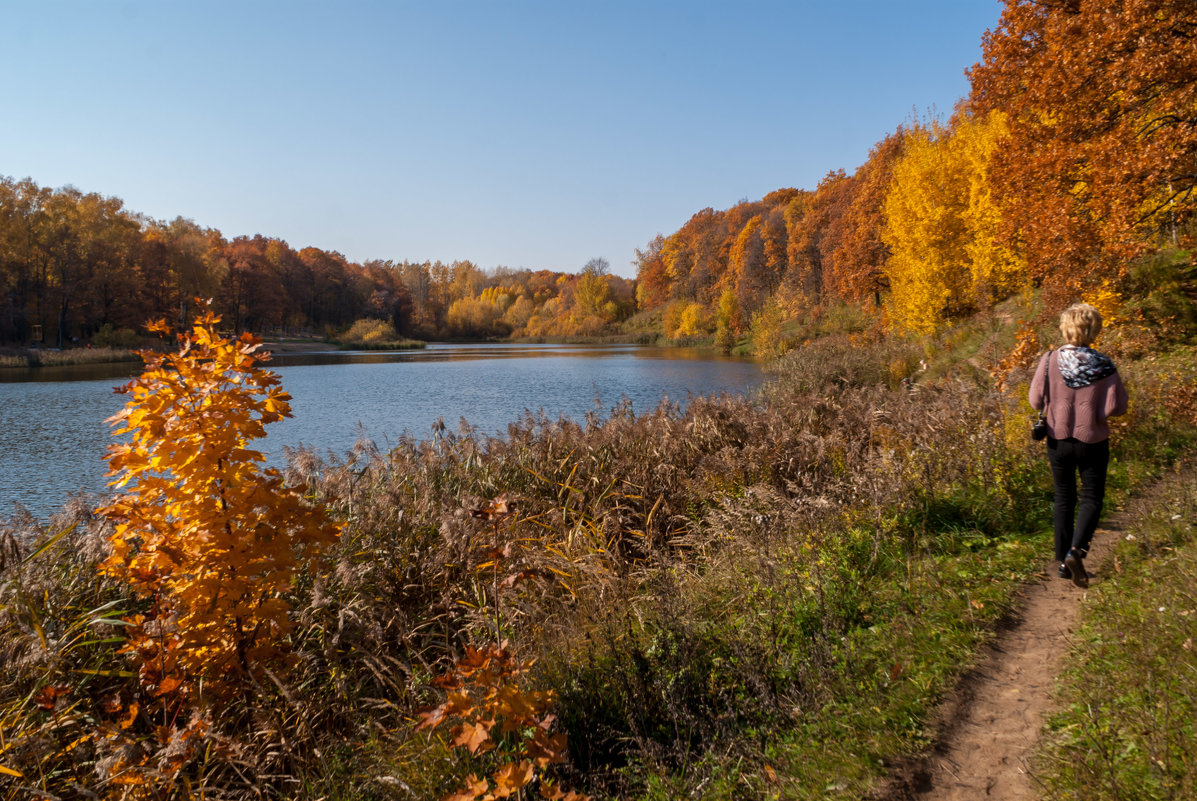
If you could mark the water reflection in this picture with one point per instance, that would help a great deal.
(440, 352)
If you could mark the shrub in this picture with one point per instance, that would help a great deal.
(768, 339)
(203, 531)
(369, 332)
(110, 337)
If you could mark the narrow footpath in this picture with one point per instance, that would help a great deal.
(989, 726)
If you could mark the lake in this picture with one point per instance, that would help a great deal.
(53, 435)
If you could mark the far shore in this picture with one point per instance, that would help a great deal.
(298, 346)
(24, 358)
(35, 357)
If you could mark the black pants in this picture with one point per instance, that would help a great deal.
(1068, 457)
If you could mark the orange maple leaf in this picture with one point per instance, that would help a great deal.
(510, 779)
(545, 749)
(474, 788)
(472, 736)
(430, 718)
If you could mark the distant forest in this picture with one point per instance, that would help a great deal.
(1056, 173)
(72, 263)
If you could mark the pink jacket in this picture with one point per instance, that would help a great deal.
(1077, 413)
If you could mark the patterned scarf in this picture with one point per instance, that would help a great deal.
(1081, 366)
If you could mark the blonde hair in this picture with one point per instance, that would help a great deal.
(1080, 324)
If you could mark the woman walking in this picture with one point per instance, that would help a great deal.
(1077, 389)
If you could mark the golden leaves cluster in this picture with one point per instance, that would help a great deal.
(202, 528)
(495, 714)
(941, 225)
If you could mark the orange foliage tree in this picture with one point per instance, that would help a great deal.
(808, 223)
(202, 529)
(1101, 160)
(746, 268)
(652, 283)
(860, 253)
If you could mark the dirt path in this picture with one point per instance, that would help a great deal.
(989, 727)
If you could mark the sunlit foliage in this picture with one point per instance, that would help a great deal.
(72, 263)
(206, 534)
(941, 221)
(1101, 161)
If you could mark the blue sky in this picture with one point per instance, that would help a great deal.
(523, 134)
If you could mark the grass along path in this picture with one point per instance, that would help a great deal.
(990, 725)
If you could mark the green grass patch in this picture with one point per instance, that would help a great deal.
(802, 671)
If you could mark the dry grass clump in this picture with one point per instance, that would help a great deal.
(56, 358)
(615, 516)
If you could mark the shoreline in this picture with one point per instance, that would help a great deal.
(20, 358)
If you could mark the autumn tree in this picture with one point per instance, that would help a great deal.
(860, 253)
(728, 322)
(201, 529)
(775, 243)
(483, 315)
(1101, 159)
(593, 307)
(194, 256)
(941, 223)
(692, 255)
(19, 205)
(747, 269)
(808, 221)
(652, 280)
(112, 276)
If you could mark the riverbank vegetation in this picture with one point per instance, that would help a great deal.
(14, 357)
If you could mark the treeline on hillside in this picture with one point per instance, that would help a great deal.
(73, 263)
(1075, 152)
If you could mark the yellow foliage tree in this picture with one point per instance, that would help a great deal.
(592, 295)
(519, 313)
(768, 339)
(728, 321)
(747, 266)
(996, 269)
(941, 224)
(481, 316)
(202, 529)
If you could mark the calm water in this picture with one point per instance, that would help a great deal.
(53, 435)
